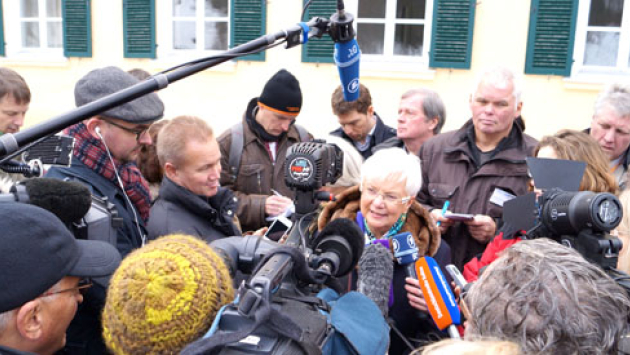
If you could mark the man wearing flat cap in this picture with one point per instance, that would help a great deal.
(253, 152)
(106, 147)
(44, 272)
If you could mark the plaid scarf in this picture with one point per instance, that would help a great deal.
(91, 152)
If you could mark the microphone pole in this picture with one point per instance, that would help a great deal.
(10, 143)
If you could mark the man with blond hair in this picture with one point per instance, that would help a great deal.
(191, 200)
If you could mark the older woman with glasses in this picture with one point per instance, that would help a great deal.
(384, 205)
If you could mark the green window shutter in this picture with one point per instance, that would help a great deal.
(319, 50)
(77, 28)
(551, 36)
(452, 32)
(248, 22)
(2, 52)
(139, 28)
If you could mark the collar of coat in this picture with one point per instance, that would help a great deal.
(419, 222)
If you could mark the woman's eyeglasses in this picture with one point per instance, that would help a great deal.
(388, 198)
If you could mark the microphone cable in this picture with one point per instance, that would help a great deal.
(143, 237)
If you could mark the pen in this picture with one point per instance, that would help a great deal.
(444, 209)
(276, 192)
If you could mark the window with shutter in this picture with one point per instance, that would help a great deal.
(550, 38)
(602, 39)
(453, 23)
(319, 50)
(248, 23)
(36, 28)
(139, 28)
(77, 28)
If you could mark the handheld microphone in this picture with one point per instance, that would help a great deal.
(68, 200)
(406, 252)
(440, 299)
(376, 271)
(347, 53)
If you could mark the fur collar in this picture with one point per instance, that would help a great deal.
(419, 221)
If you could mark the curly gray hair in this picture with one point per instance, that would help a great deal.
(549, 299)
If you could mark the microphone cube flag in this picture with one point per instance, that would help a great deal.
(437, 293)
(405, 250)
(347, 55)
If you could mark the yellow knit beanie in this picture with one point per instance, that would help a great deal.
(164, 296)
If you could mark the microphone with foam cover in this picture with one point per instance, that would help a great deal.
(438, 295)
(376, 271)
(68, 200)
(343, 238)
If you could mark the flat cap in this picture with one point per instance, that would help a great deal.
(105, 81)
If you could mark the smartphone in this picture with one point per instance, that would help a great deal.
(457, 276)
(277, 228)
(460, 217)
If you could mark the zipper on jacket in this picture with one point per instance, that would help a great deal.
(259, 183)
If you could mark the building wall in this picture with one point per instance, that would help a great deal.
(220, 94)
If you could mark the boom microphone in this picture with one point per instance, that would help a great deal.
(438, 295)
(68, 200)
(347, 53)
(376, 271)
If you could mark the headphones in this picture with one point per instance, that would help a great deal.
(98, 132)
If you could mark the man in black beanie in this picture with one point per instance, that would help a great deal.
(253, 152)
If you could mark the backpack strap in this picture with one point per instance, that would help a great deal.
(236, 150)
(303, 133)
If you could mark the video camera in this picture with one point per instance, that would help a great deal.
(275, 311)
(580, 220)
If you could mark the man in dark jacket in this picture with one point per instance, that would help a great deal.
(610, 127)
(191, 200)
(421, 116)
(105, 150)
(360, 125)
(267, 131)
(478, 167)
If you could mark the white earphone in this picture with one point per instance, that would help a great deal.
(98, 130)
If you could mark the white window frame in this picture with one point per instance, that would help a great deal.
(600, 73)
(13, 33)
(165, 50)
(384, 61)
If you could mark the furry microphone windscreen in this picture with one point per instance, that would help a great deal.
(68, 200)
(349, 231)
(376, 271)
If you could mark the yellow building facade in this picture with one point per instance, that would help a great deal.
(220, 95)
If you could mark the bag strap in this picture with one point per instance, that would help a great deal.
(236, 150)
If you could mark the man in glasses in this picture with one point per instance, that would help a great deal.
(106, 147)
(44, 270)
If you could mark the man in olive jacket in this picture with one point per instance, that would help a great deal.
(478, 167)
(267, 131)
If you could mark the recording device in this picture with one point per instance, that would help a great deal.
(52, 150)
(457, 276)
(347, 53)
(277, 228)
(438, 295)
(580, 220)
(406, 253)
(309, 166)
(276, 312)
(459, 217)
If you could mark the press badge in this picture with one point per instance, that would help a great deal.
(499, 196)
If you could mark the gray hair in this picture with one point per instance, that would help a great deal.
(385, 164)
(352, 161)
(500, 76)
(549, 299)
(615, 96)
(432, 106)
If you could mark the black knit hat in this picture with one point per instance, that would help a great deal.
(38, 250)
(282, 94)
(105, 81)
